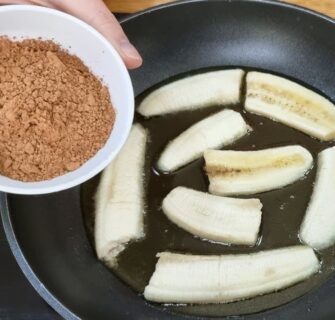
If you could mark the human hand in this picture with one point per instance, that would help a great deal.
(95, 13)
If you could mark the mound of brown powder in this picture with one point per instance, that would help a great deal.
(54, 113)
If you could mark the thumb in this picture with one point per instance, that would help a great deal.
(95, 13)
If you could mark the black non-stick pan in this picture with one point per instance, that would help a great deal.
(47, 233)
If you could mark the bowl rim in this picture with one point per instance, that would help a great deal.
(34, 188)
(29, 273)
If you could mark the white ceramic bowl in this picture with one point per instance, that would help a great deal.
(99, 55)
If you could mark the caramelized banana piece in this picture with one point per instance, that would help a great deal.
(290, 103)
(250, 172)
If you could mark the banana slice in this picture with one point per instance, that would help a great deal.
(119, 199)
(199, 91)
(250, 172)
(220, 129)
(318, 227)
(215, 218)
(291, 104)
(180, 278)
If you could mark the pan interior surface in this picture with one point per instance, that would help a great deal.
(283, 209)
(47, 233)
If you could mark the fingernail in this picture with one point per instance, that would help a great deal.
(129, 50)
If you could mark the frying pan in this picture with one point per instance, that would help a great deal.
(46, 233)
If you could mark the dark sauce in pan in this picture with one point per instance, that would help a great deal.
(283, 210)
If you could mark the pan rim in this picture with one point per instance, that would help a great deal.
(277, 3)
(25, 266)
(10, 234)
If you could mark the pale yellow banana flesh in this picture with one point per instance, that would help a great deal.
(318, 227)
(228, 220)
(194, 92)
(215, 131)
(182, 278)
(251, 172)
(119, 199)
(290, 103)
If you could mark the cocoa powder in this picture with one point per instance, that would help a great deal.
(54, 113)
